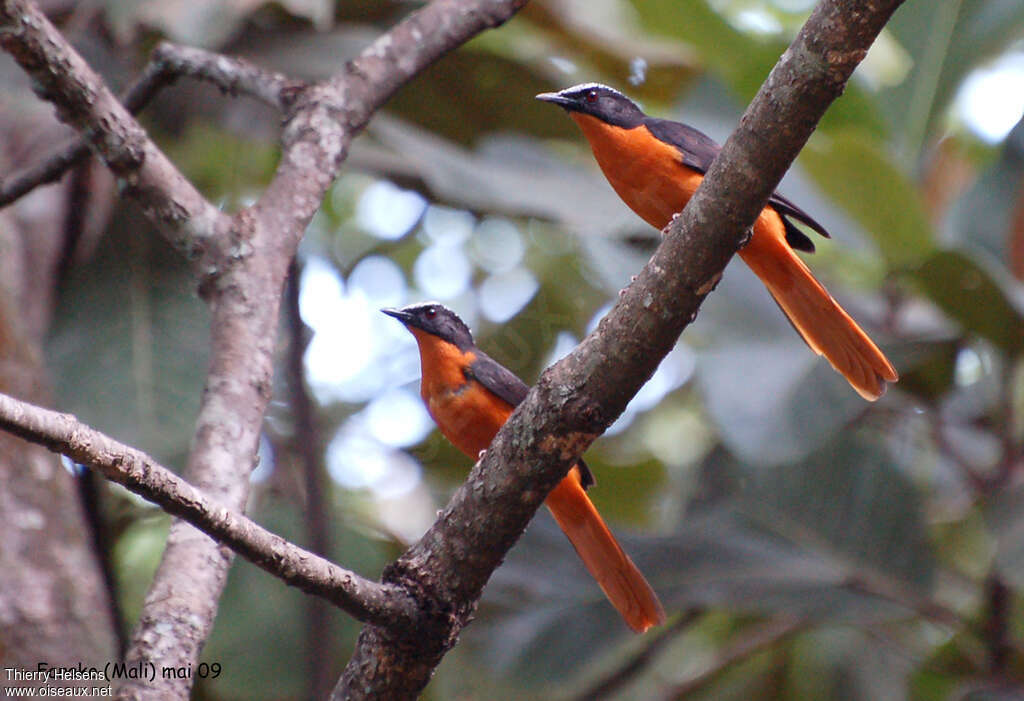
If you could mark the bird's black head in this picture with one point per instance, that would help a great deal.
(436, 320)
(607, 104)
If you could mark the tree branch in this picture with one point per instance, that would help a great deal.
(368, 601)
(84, 102)
(581, 395)
(243, 261)
(308, 446)
(168, 63)
(636, 663)
(749, 642)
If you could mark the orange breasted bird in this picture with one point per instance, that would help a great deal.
(470, 396)
(655, 166)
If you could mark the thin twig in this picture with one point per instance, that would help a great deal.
(1011, 457)
(90, 490)
(749, 641)
(380, 604)
(169, 62)
(624, 673)
(307, 443)
(82, 100)
(894, 591)
(996, 625)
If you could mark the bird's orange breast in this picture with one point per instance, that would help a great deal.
(469, 417)
(467, 413)
(647, 173)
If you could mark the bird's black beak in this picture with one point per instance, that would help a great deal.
(400, 314)
(556, 98)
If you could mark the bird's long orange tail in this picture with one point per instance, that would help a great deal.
(824, 325)
(621, 581)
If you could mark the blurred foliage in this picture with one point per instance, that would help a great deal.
(832, 548)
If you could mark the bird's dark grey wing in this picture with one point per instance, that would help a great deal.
(504, 383)
(498, 379)
(698, 150)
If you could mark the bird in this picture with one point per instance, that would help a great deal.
(655, 166)
(470, 396)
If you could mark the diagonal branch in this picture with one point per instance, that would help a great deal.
(619, 677)
(243, 262)
(580, 396)
(575, 400)
(749, 642)
(384, 605)
(169, 62)
(83, 101)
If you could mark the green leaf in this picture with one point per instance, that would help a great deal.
(743, 60)
(929, 369)
(983, 216)
(975, 296)
(854, 170)
(626, 492)
(602, 39)
(846, 663)
(439, 101)
(136, 555)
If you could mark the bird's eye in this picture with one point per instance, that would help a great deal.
(591, 96)
(430, 313)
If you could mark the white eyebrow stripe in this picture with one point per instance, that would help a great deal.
(589, 86)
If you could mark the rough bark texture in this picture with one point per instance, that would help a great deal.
(84, 102)
(242, 261)
(138, 472)
(169, 62)
(580, 396)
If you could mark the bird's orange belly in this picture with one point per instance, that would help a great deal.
(654, 192)
(468, 417)
(647, 173)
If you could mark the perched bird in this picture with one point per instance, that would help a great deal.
(655, 166)
(470, 396)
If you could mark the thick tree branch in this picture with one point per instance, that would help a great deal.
(243, 261)
(365, 600)
(169, 62)
(245, 295)
(580, 396)
(83, 101)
